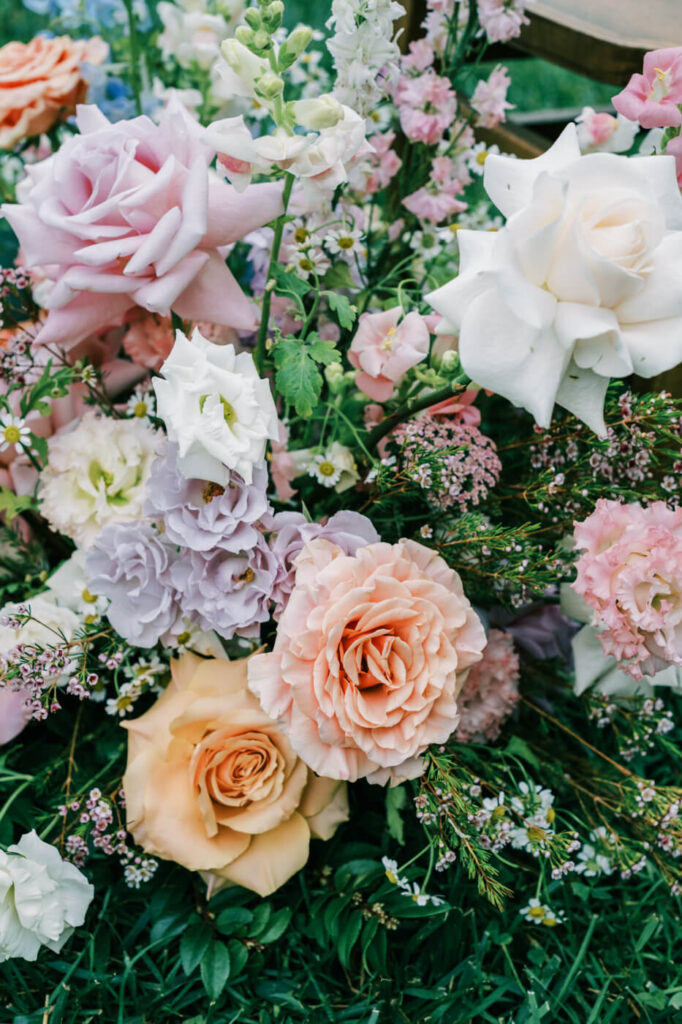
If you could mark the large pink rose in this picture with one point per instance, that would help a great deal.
(128, 214)
(630, 573)
(213, 784)
(371, 652)
(41, 82)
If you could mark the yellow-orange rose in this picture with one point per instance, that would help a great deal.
(213, 784)
(42, 81)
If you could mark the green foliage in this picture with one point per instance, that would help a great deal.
(298, 378)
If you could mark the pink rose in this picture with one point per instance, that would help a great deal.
(653, 98)
(213, 784)
(127, 215)
(630, 573)
(384, 351)
(371, 652)
(41, 82)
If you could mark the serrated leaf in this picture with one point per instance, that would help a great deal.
(338, 276)
(288, 282)
(342, 306)
(325, 352)
(396, 799)
(14, 504)
(215, 969)
(193, 944)
(298, 380)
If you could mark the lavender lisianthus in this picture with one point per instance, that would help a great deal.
(291, 531)
(226, 591)
(201, 515)
(130, 564)
(540, 630)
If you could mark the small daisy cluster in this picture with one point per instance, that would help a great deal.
(142, 676)
(636, 725)
(455, 464)
(375, 910)
(313, 243)
(411, 889)
(540, 913)
(596, 857)
(90, 825)
(142, 402)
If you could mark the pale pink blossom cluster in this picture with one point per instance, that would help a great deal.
(438, 200)
(490, 691)
(501, 20)
(383, 164)
(630, 573)
(489, 98)
(426, 102)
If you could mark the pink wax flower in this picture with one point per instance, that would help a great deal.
(127, 215)
(384, 351)
(501, 20)
(434, 206)
(653, 98)
(630, 573)
(427, 107)
(490, 691)
(489, 99)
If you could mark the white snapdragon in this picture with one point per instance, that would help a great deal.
(364, 49)
(190, 36)
(42, 898)
(216, 409)
(96, 474)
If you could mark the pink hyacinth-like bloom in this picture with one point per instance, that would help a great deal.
(653, 98)
(490, 691)
(427, 107)
(371, 653)
(501, 20)
(127, 215)
(433, 206)
(489, 98)
(630, 573)
(384, 351)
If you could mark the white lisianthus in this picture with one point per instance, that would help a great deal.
(581, 285)
(42, 898)
(96, 474)
(49, 625)
(216, 409)
(190, 36)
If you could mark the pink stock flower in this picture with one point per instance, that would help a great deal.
(370, 655)
(433, 206)
(630, 573)
(501, 20)
(490, 692)
(490, 98)
(384, 351)
(427, 107)
(654, 98)
(127, 215)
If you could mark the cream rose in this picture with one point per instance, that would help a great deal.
(214, 785)
(581, 285)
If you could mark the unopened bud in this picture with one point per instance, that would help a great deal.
(244, 35)
(269, 86)
(262, 40)
(272, 15)
(323, 112)
(294, 45)
(252, 17)
(450, 360)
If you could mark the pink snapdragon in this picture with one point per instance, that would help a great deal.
(427, 107)
(501, 20)
(654, 98)
(489, 99)
(384, 350)
(630, 573)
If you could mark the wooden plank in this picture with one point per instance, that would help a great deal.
(603, 39)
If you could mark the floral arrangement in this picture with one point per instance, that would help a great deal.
(341, 546)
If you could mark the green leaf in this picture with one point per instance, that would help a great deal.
(193, 944)
(232, 919)
(349, 937)
(519, 748)
(396, 799)
(324, 351)
(342, 306)
(215, 969)
(277, 925)
(338, 276)
(297, 378)
(239, 955)
(14, 504)
(288, 282)
(261, 916)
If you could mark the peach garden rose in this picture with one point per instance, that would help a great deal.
(371, 653)
(42, 81)
(213, 784)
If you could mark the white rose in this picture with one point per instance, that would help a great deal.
(52, 624)
(216, 409)
(582, 283)
(96, 474)
(42, 898)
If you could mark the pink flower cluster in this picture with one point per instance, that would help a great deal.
(489, 98)
(383, 164)
(426, 101)
(630, 572)
(455, 464)
(438, 198)
(501, 20)
(490, 691)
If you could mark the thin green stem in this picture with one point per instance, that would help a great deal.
(406, 411)
(259, 354)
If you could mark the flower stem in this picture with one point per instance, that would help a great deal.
(134, 55)
(259, 354)
(406, 411)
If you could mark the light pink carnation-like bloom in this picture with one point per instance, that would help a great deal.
(653, 98)
(490, 691)
(434, 206)
(371, 652)
(630, 572)
(127, 215)
(489, 98)
(427, 107)
(384, 351)
(501, 20)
